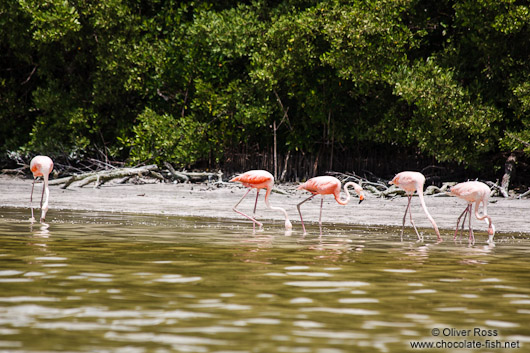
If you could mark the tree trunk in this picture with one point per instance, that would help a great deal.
(509, 170)
(275, 151)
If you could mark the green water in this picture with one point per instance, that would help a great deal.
(94, 282)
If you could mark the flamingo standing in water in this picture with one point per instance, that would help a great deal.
(41, 166)
(474, 192)
(327, 185)
(259, 179)
(410, 182)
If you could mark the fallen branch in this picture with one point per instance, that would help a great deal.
(102, 177)
(203, 176)
(525, 194)
(498, 188)
(176, 175)
(67, 181)
(193, 176)
(16, 171)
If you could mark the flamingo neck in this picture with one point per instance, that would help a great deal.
(44, 208)
(485, 217)
(344, 201)
(484, 211)
(348, 196)
(424, 206)
(288, 224)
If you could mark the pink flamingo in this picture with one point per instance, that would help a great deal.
(474, 192)
(410, 182)
(41, 166)
(259, 179)
(327, 185)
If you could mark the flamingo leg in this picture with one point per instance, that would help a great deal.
(458, 223)
(420, 238)
(243, 214)
(31, 200)
(42, 196)
(405, 216)
(300, 212)
(471, 235)
(320, 217)
(254, 212)
(411, 220)
(463, 223)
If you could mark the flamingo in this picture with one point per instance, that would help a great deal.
(259, 179)
(410, 182)
(41, 166)
(327, 185)
(474, 192)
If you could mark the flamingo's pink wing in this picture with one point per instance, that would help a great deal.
(321, 185)
(253, 177)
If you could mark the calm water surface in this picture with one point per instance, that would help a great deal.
(93, 282)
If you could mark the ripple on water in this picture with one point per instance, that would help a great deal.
(15, 280)
(6, 273)
(51, 258)
(257, 321)
(423, 291)
(178, 340)
(301, 301)
(520, 338)
(342, 335)
(372, 324)
(399, 270)
(521, 302)
(502, 324)
(82, 326)
(174, 278)
(163, 287)
(358, 300)
(316, 284)
(342, 311)
(22, 299)
(309, 274)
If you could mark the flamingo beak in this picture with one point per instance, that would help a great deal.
(361, 198)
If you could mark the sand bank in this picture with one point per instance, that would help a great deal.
(203, 200)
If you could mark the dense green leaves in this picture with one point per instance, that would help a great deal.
(185, 81)
(163, 137)
(446, 121)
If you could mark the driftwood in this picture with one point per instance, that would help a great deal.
(125, 174)
(524, 194)
(176, 175)
(203, 176)
(381, 188)
(509, 170)
(193, 176)
(17, 171)
(372, 184)
(99, 178)
(496, 188)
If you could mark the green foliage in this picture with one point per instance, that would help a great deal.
(162, 137)
(184, 81)
(52, 20)
(367, 40)
(446, 121)
(517, 138)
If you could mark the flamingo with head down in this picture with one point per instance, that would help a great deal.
(410, 182)
(327, 185)
(259, 179)
(41, 166)
(474, 192)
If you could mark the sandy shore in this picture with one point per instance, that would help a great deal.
(202, 200)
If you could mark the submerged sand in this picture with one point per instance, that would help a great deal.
(214, 201)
